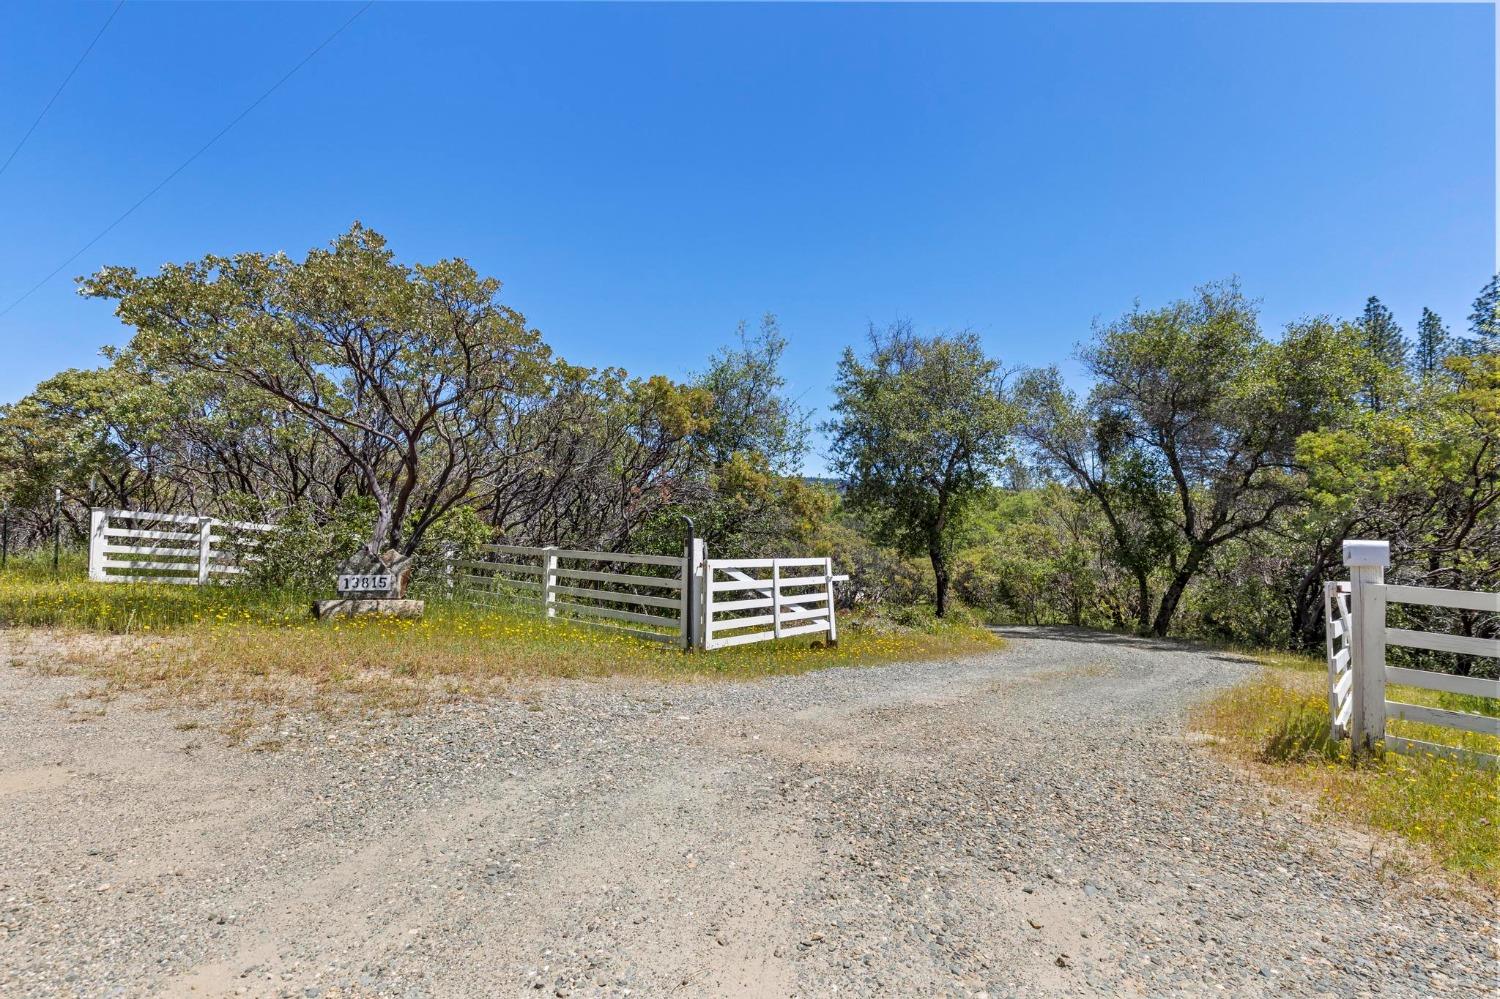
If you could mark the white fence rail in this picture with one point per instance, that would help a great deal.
(140, 546)
(1361, 621)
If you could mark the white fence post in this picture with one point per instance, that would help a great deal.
(1367, 561)
(97, 520)
(833, 628)
(776, 598)
(205, 547)
(549, 579)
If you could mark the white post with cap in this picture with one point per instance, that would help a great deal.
(1367, 562)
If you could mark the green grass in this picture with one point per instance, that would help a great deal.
(1279, 722)
(262, 645)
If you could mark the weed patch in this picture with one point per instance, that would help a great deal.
(1279, 722)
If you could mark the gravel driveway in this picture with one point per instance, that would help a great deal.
(1030, 823)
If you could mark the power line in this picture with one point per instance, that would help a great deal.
(187, 162)
(61, 86)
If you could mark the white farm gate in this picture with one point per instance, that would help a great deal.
(1357, 672)
(139, 546)
(789, 597)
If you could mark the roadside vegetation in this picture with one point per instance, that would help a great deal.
(1278, 724)
(260, 645)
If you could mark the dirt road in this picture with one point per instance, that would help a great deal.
(1031, 823)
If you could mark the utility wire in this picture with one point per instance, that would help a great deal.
(61, 86)
(187, 162)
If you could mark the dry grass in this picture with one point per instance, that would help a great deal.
(1278, 723)
(218, 644)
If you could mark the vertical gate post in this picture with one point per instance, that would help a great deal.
(205, 547)
(1330, 601)
(833, 627)
(692, 593)
(56, 527)
(450, 558)
(549, 580)
(97, 520)
(706, 603)
(1367, 561)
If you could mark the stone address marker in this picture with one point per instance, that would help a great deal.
(371, 586)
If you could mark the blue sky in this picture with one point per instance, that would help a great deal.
(642, 178)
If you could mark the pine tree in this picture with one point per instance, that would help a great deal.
(1433, 345)
(1384, 341)
(1484, 321)
(1382, 336)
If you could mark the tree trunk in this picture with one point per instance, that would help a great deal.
(940, 574)
(1173, 594)
(1143, 603)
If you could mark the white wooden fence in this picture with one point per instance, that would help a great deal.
(645, 595)
(139, 546)
(686, 599)
(1357, 671)
(690, 600)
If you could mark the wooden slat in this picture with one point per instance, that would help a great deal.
(496, 583)
(491, 598)
(190, 580)
(175, 566)
(753, 603)
(135, 532)
(1417, 747)
(723, 585)
(1337, 627)
(186, 518)
(1432, 680)
(165, 518)
(1432, 596)
(805, 629)
(1345, 711)
(1441, 716)
(758, 636)
(613, 596)
(581, 556)
(1439, 642)
(665, 582)
(653, 636)
(725, 564)
(618, 615)
(511, 550)
(152, 550)
(1341, 659)
(514, 566)
(787, 614)
(1343, 684)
